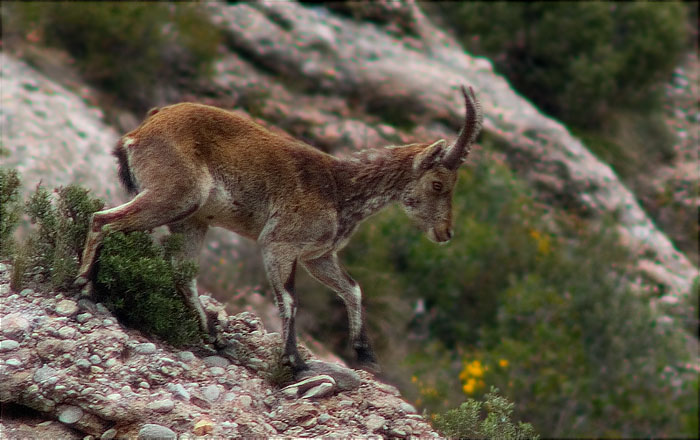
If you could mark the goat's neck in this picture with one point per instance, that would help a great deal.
(369, 180)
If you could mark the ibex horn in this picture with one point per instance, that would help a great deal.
(473, 119)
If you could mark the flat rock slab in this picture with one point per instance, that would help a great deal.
(345, 378)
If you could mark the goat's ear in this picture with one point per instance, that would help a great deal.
(430, 155)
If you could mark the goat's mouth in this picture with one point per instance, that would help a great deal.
(439, 235)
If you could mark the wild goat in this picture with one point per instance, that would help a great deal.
(193, 166)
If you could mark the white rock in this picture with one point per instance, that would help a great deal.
(66, 307)
(69, 414)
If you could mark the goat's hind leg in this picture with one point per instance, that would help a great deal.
(146, 211)
(193, 232)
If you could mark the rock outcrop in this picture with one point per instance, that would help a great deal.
(84, 374)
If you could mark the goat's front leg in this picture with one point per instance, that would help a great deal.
(280, 269)
(327, 270)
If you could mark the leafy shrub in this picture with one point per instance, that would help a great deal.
(127, 48)
(576, 60)
(467, 422)
(10, 209)
(139, 280)
(53, 249)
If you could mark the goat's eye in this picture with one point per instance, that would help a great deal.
(437, 186)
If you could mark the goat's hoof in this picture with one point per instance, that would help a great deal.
(80, 281)
(370, 367)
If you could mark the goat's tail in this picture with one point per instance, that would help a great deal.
(124, 172)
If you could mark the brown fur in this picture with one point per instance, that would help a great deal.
(197, 166)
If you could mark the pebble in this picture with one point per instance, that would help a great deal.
(95, 359)
(407, 408)
(109, 363)
(323, 418)
(26, 292)
(211, 392)
(217, 371)
(83, 363)
(8, 345)
(101, 308)
(278, 425)
(245, 400)
(109, 434)
(374, 422)
(186, 356)
(15, 326)
(216, 361)
(66, 332)
(83, 317)
(146, 348)
(161, 406)
(44, 374)
(151, 431)
(96, 370)
(69, 414)
(66, 307)
(179, 391)
(13, 362)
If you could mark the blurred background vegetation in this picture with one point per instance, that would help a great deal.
(529, 298)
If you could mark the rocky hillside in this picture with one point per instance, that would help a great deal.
(85, 374)
(341, 84)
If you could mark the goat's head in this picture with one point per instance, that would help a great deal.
(428, 198)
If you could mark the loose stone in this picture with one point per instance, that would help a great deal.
(83, 317)
(69, 414)
(146, 348)
(211, 392)
(66, 332)
(13, 362)
(109, 434)
(186, 356)
(8, 345)
(66, 307)
(216, 361)
(161, 406)
(151, 431)
(217, 371)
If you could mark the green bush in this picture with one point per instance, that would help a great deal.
(127, 48)
(576, 60)
(467, 422)
(54, 248)
(139, 280)
(10, 209)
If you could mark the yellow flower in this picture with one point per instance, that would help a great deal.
(414, 379)
(469, 386)
(503, 363)
(475, 369)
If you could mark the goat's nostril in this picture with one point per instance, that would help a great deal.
(449, 234)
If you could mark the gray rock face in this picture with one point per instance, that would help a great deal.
(53, 136)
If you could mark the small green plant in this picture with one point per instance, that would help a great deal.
(467, 421)
(126, 48)
(139, 280)
(10, 209)
(53, 249)
(279, 374)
